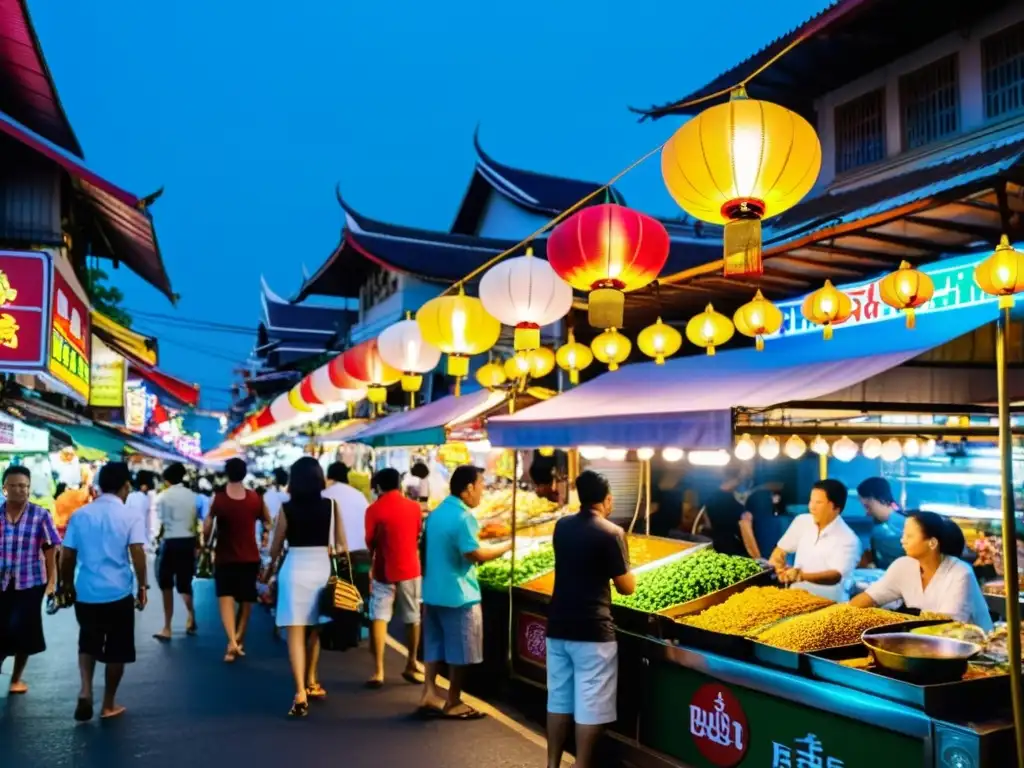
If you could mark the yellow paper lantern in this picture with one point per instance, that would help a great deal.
(491, 375)
(517, 367)
(709, 329)
(573, 357)
(758, 318)
(297, 401)
(542, 362)
(906, 289)
(738, 163)
(827, 306)
(611, 348)
(460, 327)
(1002, 273)
(659, 341)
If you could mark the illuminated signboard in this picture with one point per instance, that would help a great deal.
(24, 310)
(954, 289)
(137, 408)
(70, 337)
(108, 372)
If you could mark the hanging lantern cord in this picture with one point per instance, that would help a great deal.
(606, 188)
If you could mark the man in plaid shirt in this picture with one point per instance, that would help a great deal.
(28, 541)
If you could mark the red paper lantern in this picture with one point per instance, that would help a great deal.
(364, 362)
(306, 392)
(263, 419)
(341, 378)
(608, 250)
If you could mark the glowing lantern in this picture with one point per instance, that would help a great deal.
(892, 450)
(547, 451)
(1002, 273)
(911, 448)
(518, 366)
(611, 348)
(525, 293)
(738, 163)
(491, 375)
(709, 329)
(928, 448)
(769, 448)
(295, 398)
(460, 327)
(827, 306)
(263, 419)
(573, 357)
(819, 445)
(872, 448)
(402, 347)
(758, 318)
(608, 250)
(645, 454)
(331, 384)
(844, 449)
(364, 362)
(745, 449)
(795, 447)
(906, 289)
(542, 362)
(282, 410)
(659, 341)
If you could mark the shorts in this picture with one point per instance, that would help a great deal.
(237, 580)
(453, 635)
(406, 593)
(21, 621)
(583, 680)
(106, 631)
(176, 565)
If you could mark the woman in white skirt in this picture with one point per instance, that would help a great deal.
(308, 522)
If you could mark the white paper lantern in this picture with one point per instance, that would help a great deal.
(844, 449)
(872, 448)
(526, 293)
(795, 447)
(892, 450)
(593, 452)
(615, 454)
(911, 447)
(282, 410)
(403, 347)
(672, 454)
(769, 448)
(819, 445)
(645, 454)
(928, 448)
(327, 393)
(745, 448)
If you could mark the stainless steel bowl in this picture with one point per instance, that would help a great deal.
(920, 658)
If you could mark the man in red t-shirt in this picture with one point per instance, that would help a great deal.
(393, 525)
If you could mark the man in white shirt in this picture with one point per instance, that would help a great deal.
(351, 503)
(177, 511)
(140, 501)
(826, 548)
(105, 539)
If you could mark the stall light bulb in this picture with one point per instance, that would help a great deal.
(819, 445)
(645, 454)
(745, 449)
(592, 452)
(911, 448)
(844, 449)
(928, 448)
(795, 447)
(769, 448)
(672, 454)
(709, 458)
(892, 450)
(872, 448)
(615, 454)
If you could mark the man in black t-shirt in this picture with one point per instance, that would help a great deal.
(582, 654)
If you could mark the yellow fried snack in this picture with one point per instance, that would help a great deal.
(828, 628)
(755, 607)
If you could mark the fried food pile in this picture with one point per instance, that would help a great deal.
(756, 607)
(828, 628)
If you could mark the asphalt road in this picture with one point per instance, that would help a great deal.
(187, 709)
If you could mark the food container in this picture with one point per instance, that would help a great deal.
(920, 658)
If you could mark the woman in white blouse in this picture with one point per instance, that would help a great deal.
(932, 577)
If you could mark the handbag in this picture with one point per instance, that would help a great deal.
(339, 595)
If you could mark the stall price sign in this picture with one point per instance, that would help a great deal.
(24, 310)
(531, 638)
(70, 337)
(706, 723)
(107, 376)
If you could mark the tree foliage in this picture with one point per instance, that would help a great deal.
(106, 299)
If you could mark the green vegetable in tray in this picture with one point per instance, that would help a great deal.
(687, 578)
(497, 573)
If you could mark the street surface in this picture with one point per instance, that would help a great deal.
(188, 709)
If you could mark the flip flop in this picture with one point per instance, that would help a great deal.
(111, 715)
(192, 629)
(374, 685)
(469, 714)
(162, 638)
(426, 712)
(83, 711)
(411, 677)
(316, 692)
(12, 691)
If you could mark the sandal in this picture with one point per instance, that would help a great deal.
(316, 691)
(299, 709)
(191, 629)
(83, 711)
(467, 714)
(231, 656)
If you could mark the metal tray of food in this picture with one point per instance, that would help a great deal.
(975, 699)
(764, 578)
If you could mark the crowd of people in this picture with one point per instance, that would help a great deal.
(315, 528)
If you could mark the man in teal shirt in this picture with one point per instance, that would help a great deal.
(876, 496)
(453, 622)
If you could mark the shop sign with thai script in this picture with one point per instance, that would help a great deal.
(108, 373)
(18, 437)
(70, 337)
(718, 725)
(531, 638)
(138, 406)
(25, 278)
(954, 289)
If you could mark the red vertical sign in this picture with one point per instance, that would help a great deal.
(24, 310)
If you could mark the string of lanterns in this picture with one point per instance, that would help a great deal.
(844, 448)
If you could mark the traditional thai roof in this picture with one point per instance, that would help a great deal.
(117, 222)
(442, 257)
(847, 39)
(540, 193)
(291, 332)
(27, 92)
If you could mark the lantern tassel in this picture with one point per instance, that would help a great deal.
(458, 386)
(911, 318)
(574, 376)
(659, 360)
(828, 331)
(613, 366)
(759, 343)
(711, 349)
(351, 409)
(1006, 302)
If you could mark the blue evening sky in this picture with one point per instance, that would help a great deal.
(249, 113)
